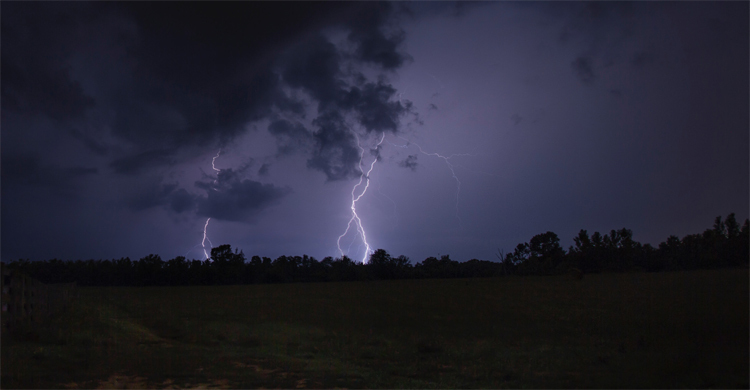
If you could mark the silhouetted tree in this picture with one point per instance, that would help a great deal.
(383, 266)
(227, 265)
(431, 267)
(176, 272)
(545, 253)
(476, 268)
(148, 270)
(343, 269)
(725, 244)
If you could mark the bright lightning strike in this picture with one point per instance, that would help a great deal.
(213, 161)
(205, 227)
(205, 237)
(355, 198)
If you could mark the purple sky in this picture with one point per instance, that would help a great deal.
(558, 117)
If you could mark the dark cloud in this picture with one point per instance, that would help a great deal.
(191, 73)
(290, 137)
(181, 201)
(592, 20)
(230, 198)
(91, 140)
(583, 69)
(335, 153)
(207, 66)
(198, 91)
(162, 195)
(156, 113)
(314, 65)
(195, 74)
(410, 162)
(35, 78)
(432, 106)
(82, 171)
(642, 58)
(374, 108)
(725, 31)
(456, 9)
(263, 170)
(137, 163)
(373, 45)
(29, 170)
(317, 67)
(460, 8)
(48, 92)
(149, 92)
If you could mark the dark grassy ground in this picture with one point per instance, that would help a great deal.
(663, 330)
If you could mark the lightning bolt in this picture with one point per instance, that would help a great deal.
(213, 162)
(205, 237)
(450, 166)
(205, 227)
(355, 198)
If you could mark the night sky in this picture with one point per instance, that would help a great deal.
(484, 124)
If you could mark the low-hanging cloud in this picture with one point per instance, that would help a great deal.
(409, 162)
(336, 153)
(290, 137)
(168, 196)
(230, 198)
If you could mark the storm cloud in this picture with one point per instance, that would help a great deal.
(126, 124)
(336, 153)
(180, 81)
(168, 196)
(290, 137)
(38, 82)
(29, 170)
(171, 80)
(138, 163)
(231, 198)
(319, 68)
(409, 162)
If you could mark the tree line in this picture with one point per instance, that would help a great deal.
(724, 245)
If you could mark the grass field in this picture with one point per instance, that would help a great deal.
(659, 330)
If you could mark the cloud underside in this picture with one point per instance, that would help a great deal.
(409, 162)
(240, 200)
(318, 68)
(228, 197)
(178, 75)
(178, 79)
